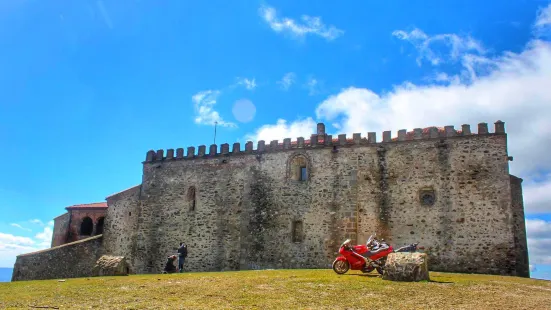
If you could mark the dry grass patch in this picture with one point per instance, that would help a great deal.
(278, 289)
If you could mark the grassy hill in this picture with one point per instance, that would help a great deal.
(278, 289)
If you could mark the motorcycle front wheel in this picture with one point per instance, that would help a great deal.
(340, 267)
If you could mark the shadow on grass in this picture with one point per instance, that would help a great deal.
(362, 275)
(379, 276)
(441, 282)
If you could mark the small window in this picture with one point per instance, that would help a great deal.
(427, 197)
(303, 174)
(191, 198)
(298, 168)
(297, 231)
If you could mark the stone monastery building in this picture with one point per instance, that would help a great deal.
(291, 204)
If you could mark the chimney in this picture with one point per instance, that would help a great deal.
(321, 130)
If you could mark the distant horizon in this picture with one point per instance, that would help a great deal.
(5, 274)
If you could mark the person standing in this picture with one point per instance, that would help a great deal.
(182, 253)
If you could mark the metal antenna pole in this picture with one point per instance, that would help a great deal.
(215, 123)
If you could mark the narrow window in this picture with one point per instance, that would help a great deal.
(86, 226)
(297, 231)
(191, 198)
(303, 174)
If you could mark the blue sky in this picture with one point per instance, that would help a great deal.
(88, 87)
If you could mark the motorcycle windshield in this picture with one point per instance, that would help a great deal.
(369, 240)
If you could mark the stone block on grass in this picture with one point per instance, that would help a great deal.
(108, 265)
(407, 267)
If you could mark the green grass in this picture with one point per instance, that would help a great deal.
(278, 289)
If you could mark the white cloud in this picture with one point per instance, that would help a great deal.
(537, 195)
(249, 84)
(309, 25)
(281, 130)
(37, 222)
(11, 239)
(287, 80)
(45, 237)
(457, 45)
(443, 78)
(20, 227)
(539, 241)
(543, 21)
(11, 245)
(204, 108)
(312, 84)
(538, 229)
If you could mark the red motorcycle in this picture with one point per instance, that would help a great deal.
(366, 257)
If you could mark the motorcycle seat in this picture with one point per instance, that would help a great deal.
(369, 253)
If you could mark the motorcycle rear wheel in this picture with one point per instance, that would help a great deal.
(340, 267)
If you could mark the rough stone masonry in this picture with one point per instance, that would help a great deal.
(291, 204)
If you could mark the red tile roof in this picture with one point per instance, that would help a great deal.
(94, 205)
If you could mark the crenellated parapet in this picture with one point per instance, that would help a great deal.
(321, 140)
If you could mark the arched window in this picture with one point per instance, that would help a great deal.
(86, 226)
(191, 197)
(99, 226)
(299, 168)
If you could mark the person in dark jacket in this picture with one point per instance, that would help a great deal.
(169, 266)
(182, 254)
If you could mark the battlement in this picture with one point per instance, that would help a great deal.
(321, 139)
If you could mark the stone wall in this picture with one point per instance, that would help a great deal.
(61, 225)
(468, 228)
(121, 223)
(246, 210)
(449, 190)
(71, 260)
(521, 246)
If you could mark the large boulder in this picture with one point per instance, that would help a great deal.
(108, 265)
(410, 267)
